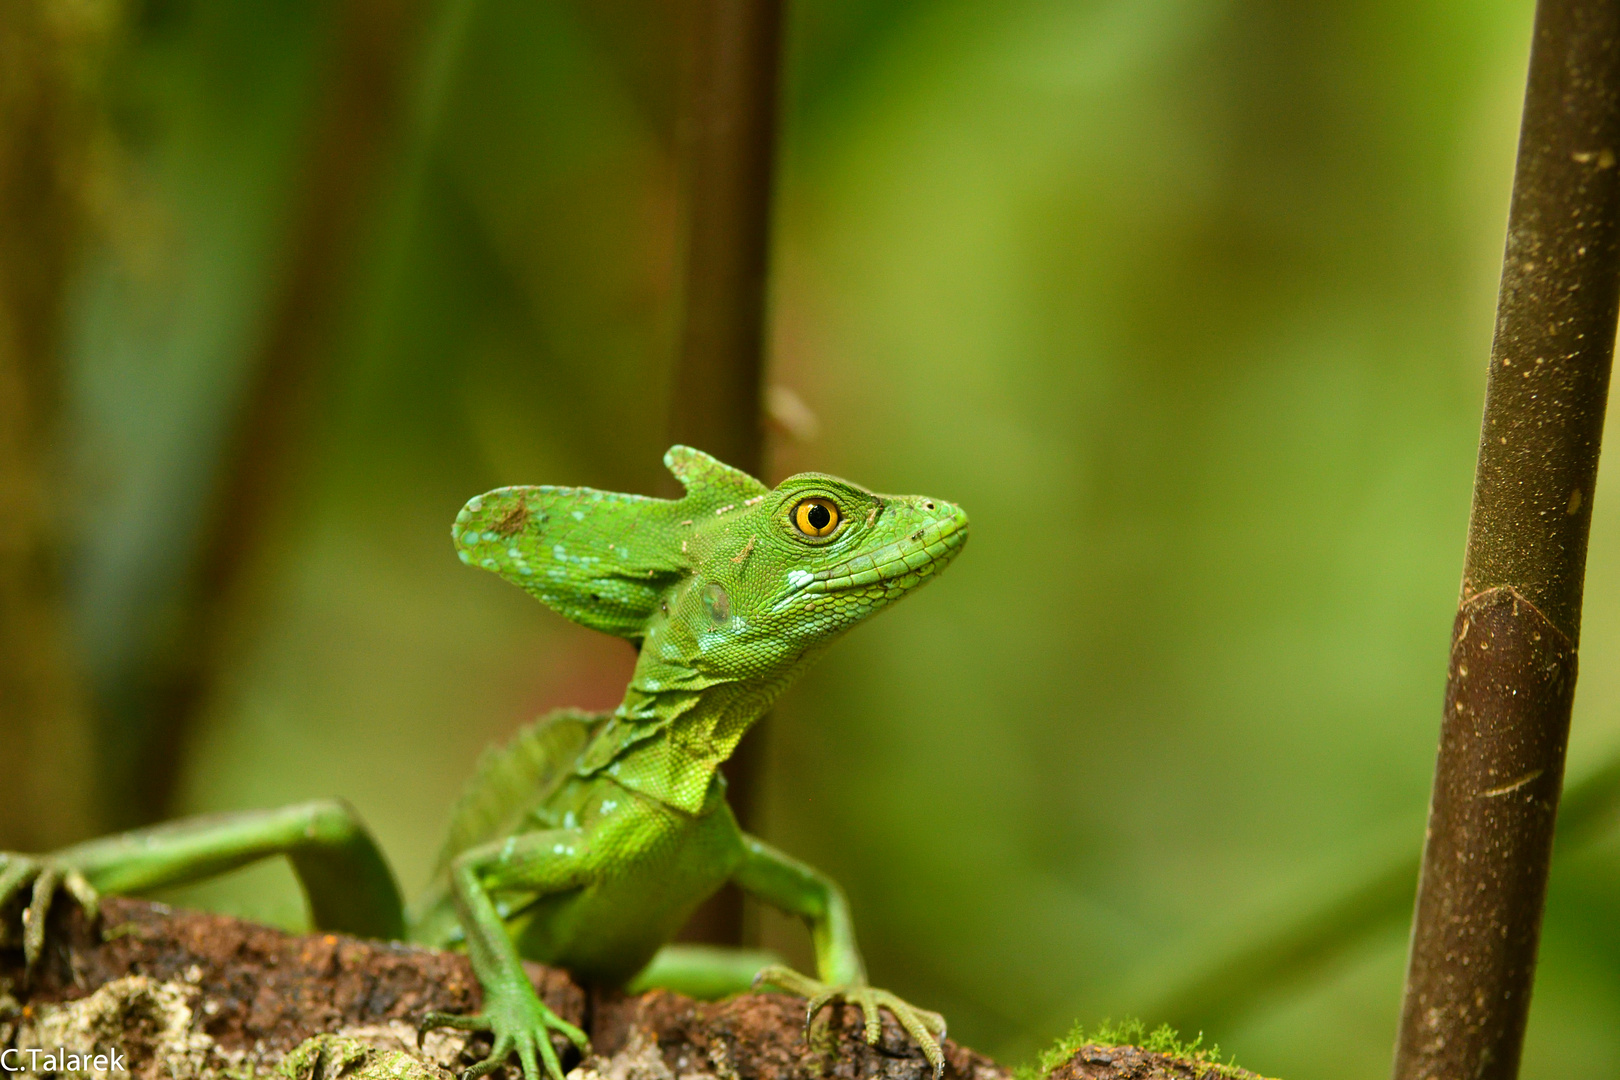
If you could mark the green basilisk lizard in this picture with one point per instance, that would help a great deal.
(590, 839)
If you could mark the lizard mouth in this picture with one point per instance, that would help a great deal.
(919, 554)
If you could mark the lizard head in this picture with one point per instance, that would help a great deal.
(818, 555)
(733, 582)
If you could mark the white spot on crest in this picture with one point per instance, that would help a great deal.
(577, 515)
(475, 504)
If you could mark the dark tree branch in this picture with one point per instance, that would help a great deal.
(1513, 656)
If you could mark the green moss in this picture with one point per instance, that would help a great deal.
(1161, 1040)
(328, 1057)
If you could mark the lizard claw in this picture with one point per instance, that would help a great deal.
(926, 1028)
(518, 1024)
(44, 878)
(434, 1020)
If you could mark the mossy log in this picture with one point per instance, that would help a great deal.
(180, 995)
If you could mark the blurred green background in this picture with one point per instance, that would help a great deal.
(1187, 301)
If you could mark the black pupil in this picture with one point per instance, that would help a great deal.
(818, 516)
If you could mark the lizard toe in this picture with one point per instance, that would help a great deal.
(581, 1041)
(785, 978)
(83, 893)
(869, 1012)
(527, 1045)
(815, 1005)
(39, 910)
(497, 1057)
(926, 1029)
(42, 878)
(16, 871)
(434, 1020)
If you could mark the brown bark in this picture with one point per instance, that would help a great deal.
(249, 995)
(1508, 697)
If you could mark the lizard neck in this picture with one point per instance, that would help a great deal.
(680, 762)
(669, 736)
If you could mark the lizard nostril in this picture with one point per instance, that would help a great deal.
(929, 505)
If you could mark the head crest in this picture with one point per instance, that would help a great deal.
(601, 558)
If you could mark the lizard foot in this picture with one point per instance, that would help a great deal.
(519, 1022)
(926, 1027)
(18, 872)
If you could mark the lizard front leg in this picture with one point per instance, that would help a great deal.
(790, 885)
(344, 875)
(536, 863)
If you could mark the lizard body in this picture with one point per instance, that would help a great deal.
(588, 841)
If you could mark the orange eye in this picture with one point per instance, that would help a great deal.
(816, 517)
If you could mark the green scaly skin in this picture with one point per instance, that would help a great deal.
(588, 842)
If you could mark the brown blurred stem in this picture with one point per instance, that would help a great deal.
(1513, 657)
(264, 454)
(726, 132)
(49, 127)
(726, 135)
